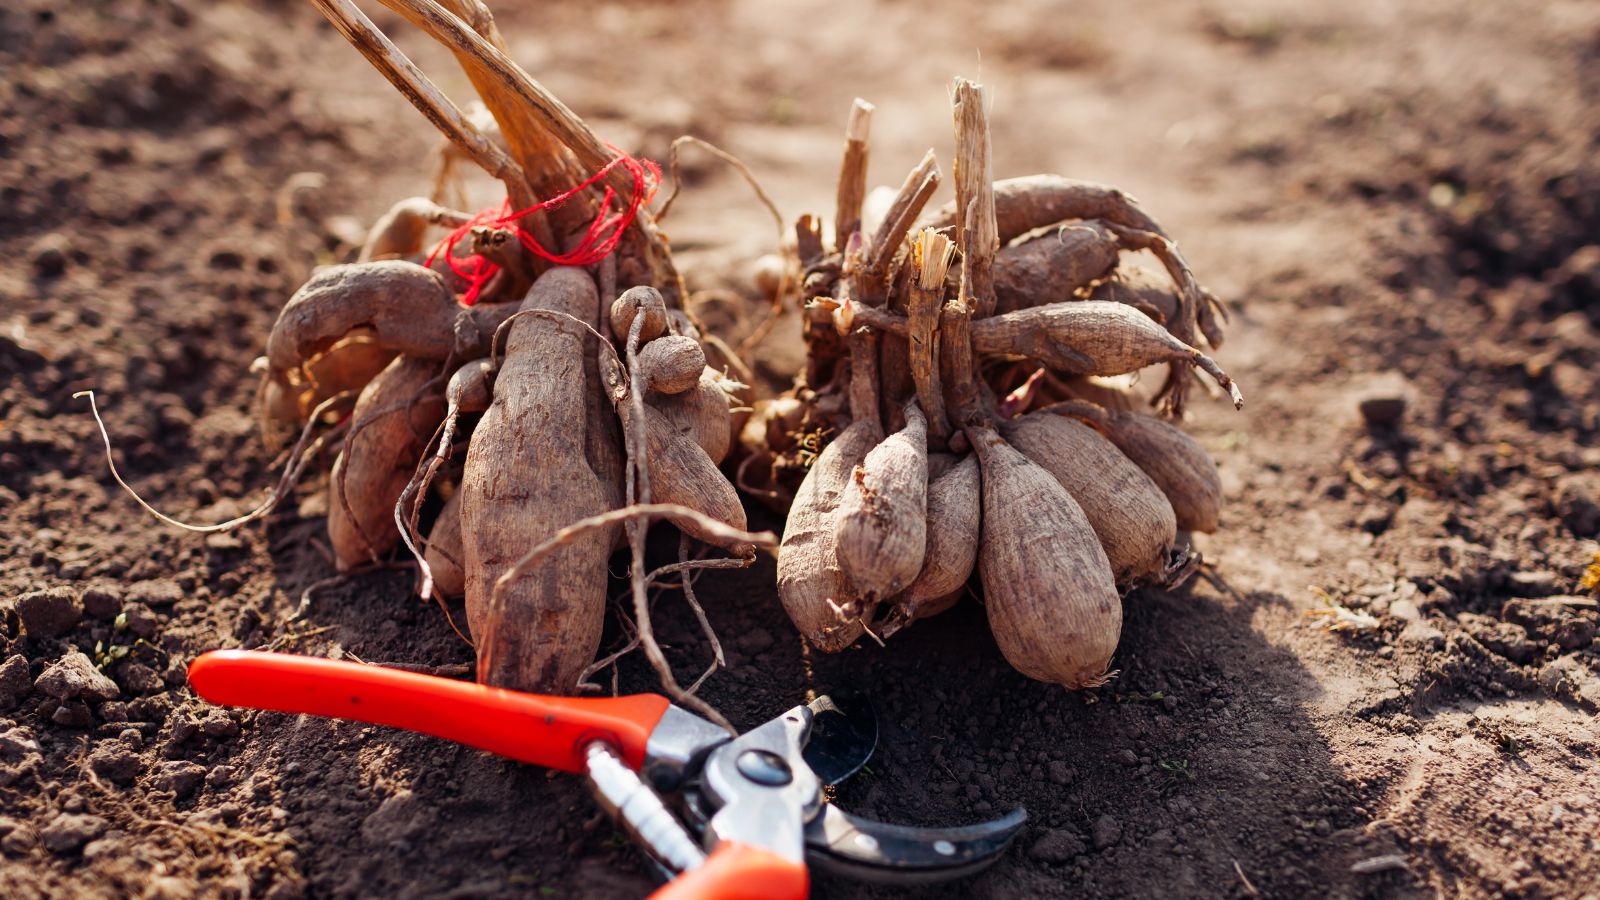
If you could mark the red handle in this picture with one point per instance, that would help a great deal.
(738, 871)
(533, 728)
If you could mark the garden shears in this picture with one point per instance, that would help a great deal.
(722, 816)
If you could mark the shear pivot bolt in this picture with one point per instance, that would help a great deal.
(764, 767)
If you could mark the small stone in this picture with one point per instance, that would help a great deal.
(49, 254)
(15, 682)
(72, 714)
(142, 621)
(1061, 773)
(69, 831)
(49, 613)
(1383, 402)
(179, 777)
(1126, 757)
(75, 676)
(101, 603)
(114, 762)
(1105, 832)
(1057, 846)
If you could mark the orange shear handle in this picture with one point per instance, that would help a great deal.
(736, 871)
(533, 728)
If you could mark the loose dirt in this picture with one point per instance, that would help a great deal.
(1399, 202)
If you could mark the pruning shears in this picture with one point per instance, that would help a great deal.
(722, 816)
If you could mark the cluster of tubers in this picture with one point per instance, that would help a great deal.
(542, 426)
(953, 418)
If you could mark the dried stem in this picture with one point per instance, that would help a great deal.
(924, 301)
(908, 205)
(404, 75)
(976, 226)
(852, 191)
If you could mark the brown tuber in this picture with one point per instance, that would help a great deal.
(526, 476)
(391, 424)
(1091, 337)
(954, 517)
(625, 307)
(881, 525)
(400, 306)
(1129, 513)
(672, 364)
(1047, 585)
(1177, 464)
(811, 583)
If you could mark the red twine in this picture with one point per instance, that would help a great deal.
(602, 237)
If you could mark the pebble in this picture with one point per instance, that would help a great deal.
(69, 831)
(49, 613)
(1384, 401)
(1126, 757)
(1057, 846)
(1105, 832)
(49, 254)
(75, 676)
(15, 682)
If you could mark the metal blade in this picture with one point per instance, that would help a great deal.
(844, 732)
(878, 851)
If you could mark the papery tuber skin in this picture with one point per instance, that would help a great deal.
(1047, 585)
(1128, 512)
(1175, 461)
(954, 517)
(390, 427)
(682, 473)
(526, 476)
(399, 306)
(1091, 337)
(672, 364)
(1054, 266)
(445, 552)
(701, 413)
(810, 582)
(881, 526)
(626, 306)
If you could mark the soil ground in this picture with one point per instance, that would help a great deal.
(1397, 199)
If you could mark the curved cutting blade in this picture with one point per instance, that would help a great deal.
(844, 732)
(878, 851)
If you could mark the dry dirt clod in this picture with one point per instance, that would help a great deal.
(49, 613)
(74, 676)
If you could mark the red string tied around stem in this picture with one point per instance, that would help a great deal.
(602, 236)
